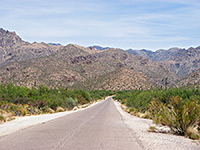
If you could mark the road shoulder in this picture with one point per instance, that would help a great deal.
(155, 141)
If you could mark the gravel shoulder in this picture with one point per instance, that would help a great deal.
(28, 121)
(155, 141)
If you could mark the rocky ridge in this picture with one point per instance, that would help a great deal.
(180, 61)
(73, 65)
(13, 48)
(120, 79)
(32, 64)
(192, 80)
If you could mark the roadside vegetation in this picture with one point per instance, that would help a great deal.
(21, 101)
(177, 108)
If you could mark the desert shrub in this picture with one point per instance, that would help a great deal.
(20, 110)
(192, 133)
(155, 107)
(2, 118)
(71, 103)
(43, 90)
(120, 95)
(151, 129)
(83, 94)
(20, 101)
(41, 99)
(122, 102)
(23, 111)
(140, 100)
(98, 94)
(178, 115)
(12, 107)
(81, 100)
(39, 103)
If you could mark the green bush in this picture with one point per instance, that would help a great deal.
(192, 133)
(178, 115)
(71, 103)
(2, 118)
(39, 103)
(42, 98)
(120, 95)
(140, 99)
(122, 102)
(177, 108)
(82, 95)
(98, 94)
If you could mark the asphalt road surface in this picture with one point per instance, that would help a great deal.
(97, 128)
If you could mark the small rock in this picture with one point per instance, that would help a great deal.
(162, 129)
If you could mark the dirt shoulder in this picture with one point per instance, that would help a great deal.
(155, 141)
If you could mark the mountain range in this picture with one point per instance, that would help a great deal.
(181, 61)
(31, 64)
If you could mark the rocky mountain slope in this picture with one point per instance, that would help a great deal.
(159, 55)
(180, 61)
(74, 65)
(143, 52)
(120, 79)
(192, 80)
(51, 70)
(13, 48)
(23, 63)
(185, 61)
(33, 64)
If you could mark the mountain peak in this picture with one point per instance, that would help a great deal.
(89, 50)
(9, 39)
(3, 31)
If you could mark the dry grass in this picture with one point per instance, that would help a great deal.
(151, 129)
(134, 112)
(85, 105)
(192, 133)
(2, 118)
(51, 110)
(59, 109)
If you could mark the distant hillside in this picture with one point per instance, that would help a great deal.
(23, 63)
(192, 79)
(13, 48)
(159, 55)
(120, 79)
(144, 53)
(74, 64)
(180, 61)
(184, 61)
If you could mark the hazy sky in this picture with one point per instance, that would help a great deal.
(136, 24)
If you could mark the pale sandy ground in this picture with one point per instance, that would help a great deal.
(27, 121)
(155, 141)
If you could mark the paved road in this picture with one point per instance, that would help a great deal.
(97, 128)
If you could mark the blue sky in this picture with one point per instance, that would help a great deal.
(136, 24)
